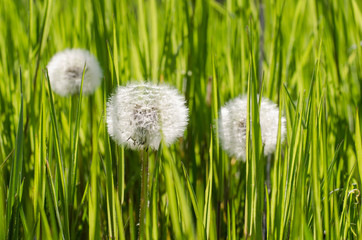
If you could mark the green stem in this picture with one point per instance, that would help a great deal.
(144, 194)
(72, 119)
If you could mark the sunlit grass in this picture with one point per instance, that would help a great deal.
(62, 177)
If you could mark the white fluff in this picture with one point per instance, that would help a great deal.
(140, 114)
(232, 126)
(65, 71)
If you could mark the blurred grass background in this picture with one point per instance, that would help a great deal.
(62, 177)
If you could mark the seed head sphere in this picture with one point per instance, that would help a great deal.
(65, 71)
(139, 115)
(232, 126)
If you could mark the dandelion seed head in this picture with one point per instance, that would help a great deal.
(65, 71)
(232, 126)
(139, 115)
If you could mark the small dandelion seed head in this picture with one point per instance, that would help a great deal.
(65, 71)
(232, 126)
(139, 115)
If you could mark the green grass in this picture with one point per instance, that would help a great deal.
(62, 177)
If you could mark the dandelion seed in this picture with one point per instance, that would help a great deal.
(141, 114)
(232, 126)
(65, 71)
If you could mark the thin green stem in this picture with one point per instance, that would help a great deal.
(144, 193)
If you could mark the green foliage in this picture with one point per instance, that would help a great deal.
(62, 177)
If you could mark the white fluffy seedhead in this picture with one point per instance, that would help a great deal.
(65, 71)
(232, 126)
(139, 115)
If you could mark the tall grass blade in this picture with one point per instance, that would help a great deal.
(14, 194)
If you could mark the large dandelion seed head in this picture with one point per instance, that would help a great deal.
(232, 126)
(139, 115)
(65, 71)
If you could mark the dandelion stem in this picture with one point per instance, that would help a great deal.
(144, 193)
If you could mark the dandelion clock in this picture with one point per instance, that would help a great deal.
(140, 115)
(65, 70)
(232, 126)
